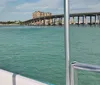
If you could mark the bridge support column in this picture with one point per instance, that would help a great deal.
(85, 22)
(83, 19)
(72, 20)
(78, 20)
(44, 21)
(69, 20)
(40, 22)
(27, 23)
(54, 21)
(61, 20)
(48, 21)
(37, 22)
(99, 19)
(95, 19)
(90, 20)
(30, 22)
(33, 22)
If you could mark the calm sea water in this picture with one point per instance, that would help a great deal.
(38, 52)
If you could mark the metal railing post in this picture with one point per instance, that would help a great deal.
(72, 75)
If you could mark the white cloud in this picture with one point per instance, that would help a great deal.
(84, 6)
(21, 13)
(56, 6)
(3, 4)
(43, 5)
(24, 10)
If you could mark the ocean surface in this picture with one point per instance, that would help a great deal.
(38, 52)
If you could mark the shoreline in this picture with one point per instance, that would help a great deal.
(9, 24)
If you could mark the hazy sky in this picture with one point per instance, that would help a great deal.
(22, 9)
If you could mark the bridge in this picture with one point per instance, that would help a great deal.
(75, 18)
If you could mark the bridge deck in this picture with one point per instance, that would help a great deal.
(62, 15)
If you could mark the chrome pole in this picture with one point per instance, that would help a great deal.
(72, 75)
(66, 38)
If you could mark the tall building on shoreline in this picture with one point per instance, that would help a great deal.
(37, 14)
(40, 14)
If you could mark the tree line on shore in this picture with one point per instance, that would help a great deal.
(11, 22)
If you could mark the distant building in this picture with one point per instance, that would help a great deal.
(37, 14)
(40, 14)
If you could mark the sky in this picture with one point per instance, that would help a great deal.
(23, 9)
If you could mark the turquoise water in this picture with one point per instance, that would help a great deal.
(85, 48)
(34, 52)
(38, 52)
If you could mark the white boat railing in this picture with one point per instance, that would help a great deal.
(8, 78)
(82, 66)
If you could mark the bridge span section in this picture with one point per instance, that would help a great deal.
(75, 18)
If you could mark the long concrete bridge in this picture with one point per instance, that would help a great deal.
(75, 18)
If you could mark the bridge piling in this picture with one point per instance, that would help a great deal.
(83, 20)
(54, 21)
(61, 20)
(92, 18)
(78, 20)
(99, 19)
(44, 21)
(95, 19)
(72, 20)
